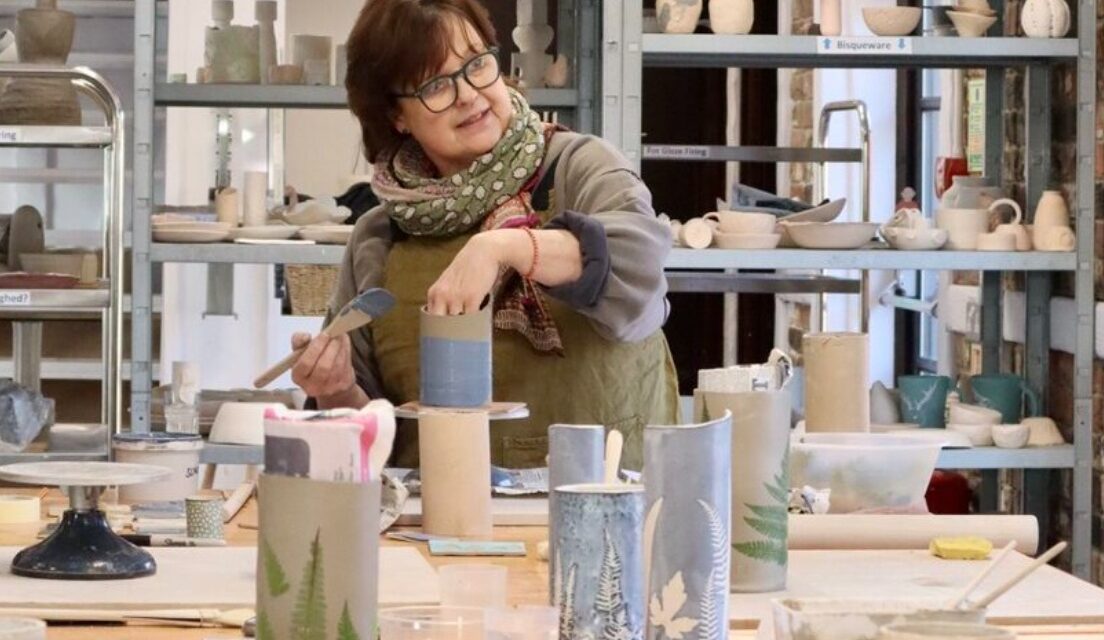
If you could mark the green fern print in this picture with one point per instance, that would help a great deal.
(345, 629)
(308, 619)
(264, 629)
(771, 521)
(274, 572)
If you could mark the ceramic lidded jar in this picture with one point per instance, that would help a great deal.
(1045, 18)
(678, 16)
(731, 16)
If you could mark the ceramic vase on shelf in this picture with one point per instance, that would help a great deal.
(232, 55)
(1051, 230)
(831, 18)
(678, 16)
(687, 480)
(533, 36)
(265, 13)
(731, 16)
(1045, 18)
(835, 402)
(43, 35)
(971, 192)
(759, 452)
(575, 456)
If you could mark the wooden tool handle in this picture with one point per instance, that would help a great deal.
(278, 369)
(614, 443)
(237, 500)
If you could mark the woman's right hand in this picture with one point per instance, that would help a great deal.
(325, 369)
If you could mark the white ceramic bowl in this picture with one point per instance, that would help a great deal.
(971, 25)
(743, 222)
(240, 423)
(746, 240)
(1044, 432)
(962, 413)
(892, 21)
(865, 471)
(831, 235)
(914, 239)
(980, 435)
(1011, 436)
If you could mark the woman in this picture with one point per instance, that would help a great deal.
(479, 197)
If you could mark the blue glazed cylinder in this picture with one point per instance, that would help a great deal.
(575, 456)
(455, 359)
(688, 484)
(600, 577)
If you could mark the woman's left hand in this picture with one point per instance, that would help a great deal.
(468, 279)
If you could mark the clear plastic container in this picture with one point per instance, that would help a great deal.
(431, 623)
(473, 585)
(521, 623)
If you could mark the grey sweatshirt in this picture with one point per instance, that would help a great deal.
(598, 197)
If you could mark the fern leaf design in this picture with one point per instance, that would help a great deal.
(308, 619)
(768, 512)
(715, 589)
(274, 572)
(609, 600)
(345, 628)
(567, 607)
(773, 529)
(772, 520)
(264, 628)
(764, 550)
(651, 522)
(705, 416)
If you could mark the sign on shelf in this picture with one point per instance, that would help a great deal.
(15, 298)
(851, 46)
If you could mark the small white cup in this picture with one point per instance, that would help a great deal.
(696, 233)
(996, 241)
(743, 222)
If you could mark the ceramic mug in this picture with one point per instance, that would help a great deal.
(1005, 393)
(963, 226)
(1020, 232)
(696, 234)
(1054, 238)
(996, 241)
(743, 222)
(924, 399)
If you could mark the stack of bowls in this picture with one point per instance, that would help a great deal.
(744, 230)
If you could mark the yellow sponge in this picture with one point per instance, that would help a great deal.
(964, 548)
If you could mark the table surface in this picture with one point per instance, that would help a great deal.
(528, 584)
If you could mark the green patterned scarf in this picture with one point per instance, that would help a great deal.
(423, 204)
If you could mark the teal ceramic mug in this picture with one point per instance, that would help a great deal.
(1006, 393)
(924, 399)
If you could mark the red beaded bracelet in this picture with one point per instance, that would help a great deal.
(536, 254)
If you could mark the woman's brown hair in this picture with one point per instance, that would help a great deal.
(394, 46)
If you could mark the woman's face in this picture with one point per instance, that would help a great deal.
(472, 126)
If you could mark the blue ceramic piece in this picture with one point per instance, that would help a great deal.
(575, 456)
(455, 359)
(600, 573)
(688, 483)
(84, 547)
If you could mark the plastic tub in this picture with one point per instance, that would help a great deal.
(178, 452)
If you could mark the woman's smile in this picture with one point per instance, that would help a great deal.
(476, 120)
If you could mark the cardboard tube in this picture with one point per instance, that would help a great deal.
(226, 206)
(855, 531)
(837, 382)
(455, 454)
(19, 509)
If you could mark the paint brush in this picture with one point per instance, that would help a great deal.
(358, 312)
(1016, 579)
(961, 598)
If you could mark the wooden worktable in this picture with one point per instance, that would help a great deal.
(528, 584)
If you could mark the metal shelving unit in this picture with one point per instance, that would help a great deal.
(28, 308)
(577, 28)
(627, 50)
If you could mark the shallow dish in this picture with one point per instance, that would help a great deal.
(190, 235)
(191, 225)
(980, 435)
(892, 21)
(746, 240)
(265, 232)
(831, 235)
(327, 233)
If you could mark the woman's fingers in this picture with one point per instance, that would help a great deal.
(299, 340)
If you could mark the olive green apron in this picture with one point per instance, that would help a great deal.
(620, 385)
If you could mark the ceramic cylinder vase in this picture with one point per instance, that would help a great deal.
(1045, 18)
(317, 558)
(678, 16)
(227, 206)
(232, 55)
(831, 18)
(455, 455)
(312, 53)
(837, 382)
(759, 447)
(265, 13)
(731, 16)
(600, 572)
(455, 359)
(255, 211)
(575, 456)
(688, 490)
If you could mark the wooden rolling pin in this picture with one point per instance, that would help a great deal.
(856, 531)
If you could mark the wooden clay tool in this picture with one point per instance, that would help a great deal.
(361, 310)
(614, 443)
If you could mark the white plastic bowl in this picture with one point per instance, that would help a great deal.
(892, 21)
(865, 471)
(857, 619)
(240, 423)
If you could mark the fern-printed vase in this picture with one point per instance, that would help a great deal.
(575, 456)
(598, 537)
(317, 558)
(688, 489)
(760, 447)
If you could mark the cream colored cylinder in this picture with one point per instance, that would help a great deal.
(861, 531)
(255, 213)
(837, 382)
(227, 206)
(455, 452)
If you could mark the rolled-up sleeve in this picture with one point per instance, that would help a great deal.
(628, 301)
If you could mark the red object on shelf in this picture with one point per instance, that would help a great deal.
(949, 493)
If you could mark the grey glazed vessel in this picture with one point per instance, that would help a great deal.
(600, 572)
(575, 456)
(687, 479)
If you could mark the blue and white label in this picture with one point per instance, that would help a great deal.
(864, 46)
(15, 298)
(9, 135)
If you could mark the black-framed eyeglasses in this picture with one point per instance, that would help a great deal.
(439, 93)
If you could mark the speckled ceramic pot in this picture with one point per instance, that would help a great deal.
(575, 456)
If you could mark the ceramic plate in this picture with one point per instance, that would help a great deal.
(191, 226)
(949, 439)
(824, 213)
(327, 233)
(266, 232)
(24, 280)
(189, 235)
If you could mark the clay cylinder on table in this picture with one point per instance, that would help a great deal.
(760, 447)
(575, 456)
(688, 488)
(837, 382)
(455, 452)
(227, 206)
(255, 212)
(455, 367)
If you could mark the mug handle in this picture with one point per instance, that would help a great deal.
(1032, 399)
(1012, 203)
(712, 215)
